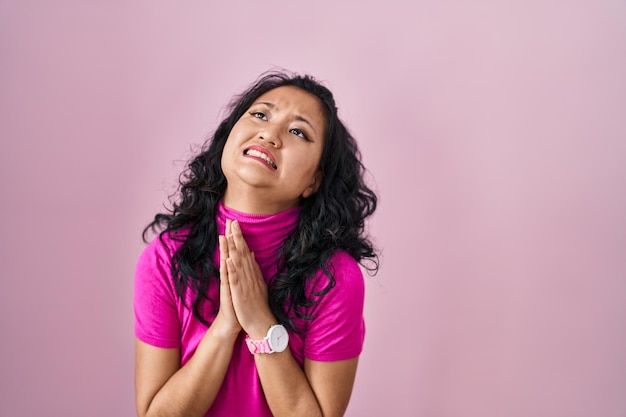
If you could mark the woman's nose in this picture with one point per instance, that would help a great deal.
(271, 134)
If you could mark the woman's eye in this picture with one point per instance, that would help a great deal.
(299, 132)
(258, 115)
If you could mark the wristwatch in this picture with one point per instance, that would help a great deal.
(276, 340)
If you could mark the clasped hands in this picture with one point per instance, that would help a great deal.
(243, 292)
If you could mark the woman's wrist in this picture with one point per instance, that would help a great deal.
(220, 329)
(259, 329)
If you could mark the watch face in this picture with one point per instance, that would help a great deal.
(278, 338)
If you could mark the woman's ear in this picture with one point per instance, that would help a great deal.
(315, 185)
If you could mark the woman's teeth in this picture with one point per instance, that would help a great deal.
(254, 152)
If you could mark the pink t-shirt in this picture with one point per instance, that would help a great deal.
(335, 333)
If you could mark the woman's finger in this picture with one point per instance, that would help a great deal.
(244, 258)
(223, 256)
(228, 231)
(240, 242)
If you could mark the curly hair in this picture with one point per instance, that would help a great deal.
(331, 219)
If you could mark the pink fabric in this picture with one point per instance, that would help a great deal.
(161, 319)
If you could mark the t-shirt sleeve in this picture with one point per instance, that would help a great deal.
(155, 298)
(337, 329)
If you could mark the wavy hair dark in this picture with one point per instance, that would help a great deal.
(331, 219)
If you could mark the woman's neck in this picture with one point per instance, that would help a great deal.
(264, 234)
(255, 202)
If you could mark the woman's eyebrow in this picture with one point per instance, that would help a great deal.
(302, 119)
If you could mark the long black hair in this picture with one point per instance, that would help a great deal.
(331, 219)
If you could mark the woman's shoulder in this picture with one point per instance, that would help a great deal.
(166, 243)
(345, 273)
(342, 261)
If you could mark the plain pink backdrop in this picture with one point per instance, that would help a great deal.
(495, 133)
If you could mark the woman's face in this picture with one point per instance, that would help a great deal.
(271, 157)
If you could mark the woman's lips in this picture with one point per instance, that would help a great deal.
(262, 154)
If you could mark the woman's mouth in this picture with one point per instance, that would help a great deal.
(255, 153)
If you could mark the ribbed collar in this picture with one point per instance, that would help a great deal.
(264, 233)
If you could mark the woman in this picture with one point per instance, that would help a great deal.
(250, 302)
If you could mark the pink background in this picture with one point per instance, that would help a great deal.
(496, 135)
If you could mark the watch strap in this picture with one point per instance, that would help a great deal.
(258, 346)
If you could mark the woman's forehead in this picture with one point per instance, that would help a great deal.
(292, 98)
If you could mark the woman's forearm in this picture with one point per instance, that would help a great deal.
(286, 387)
(191, 390)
